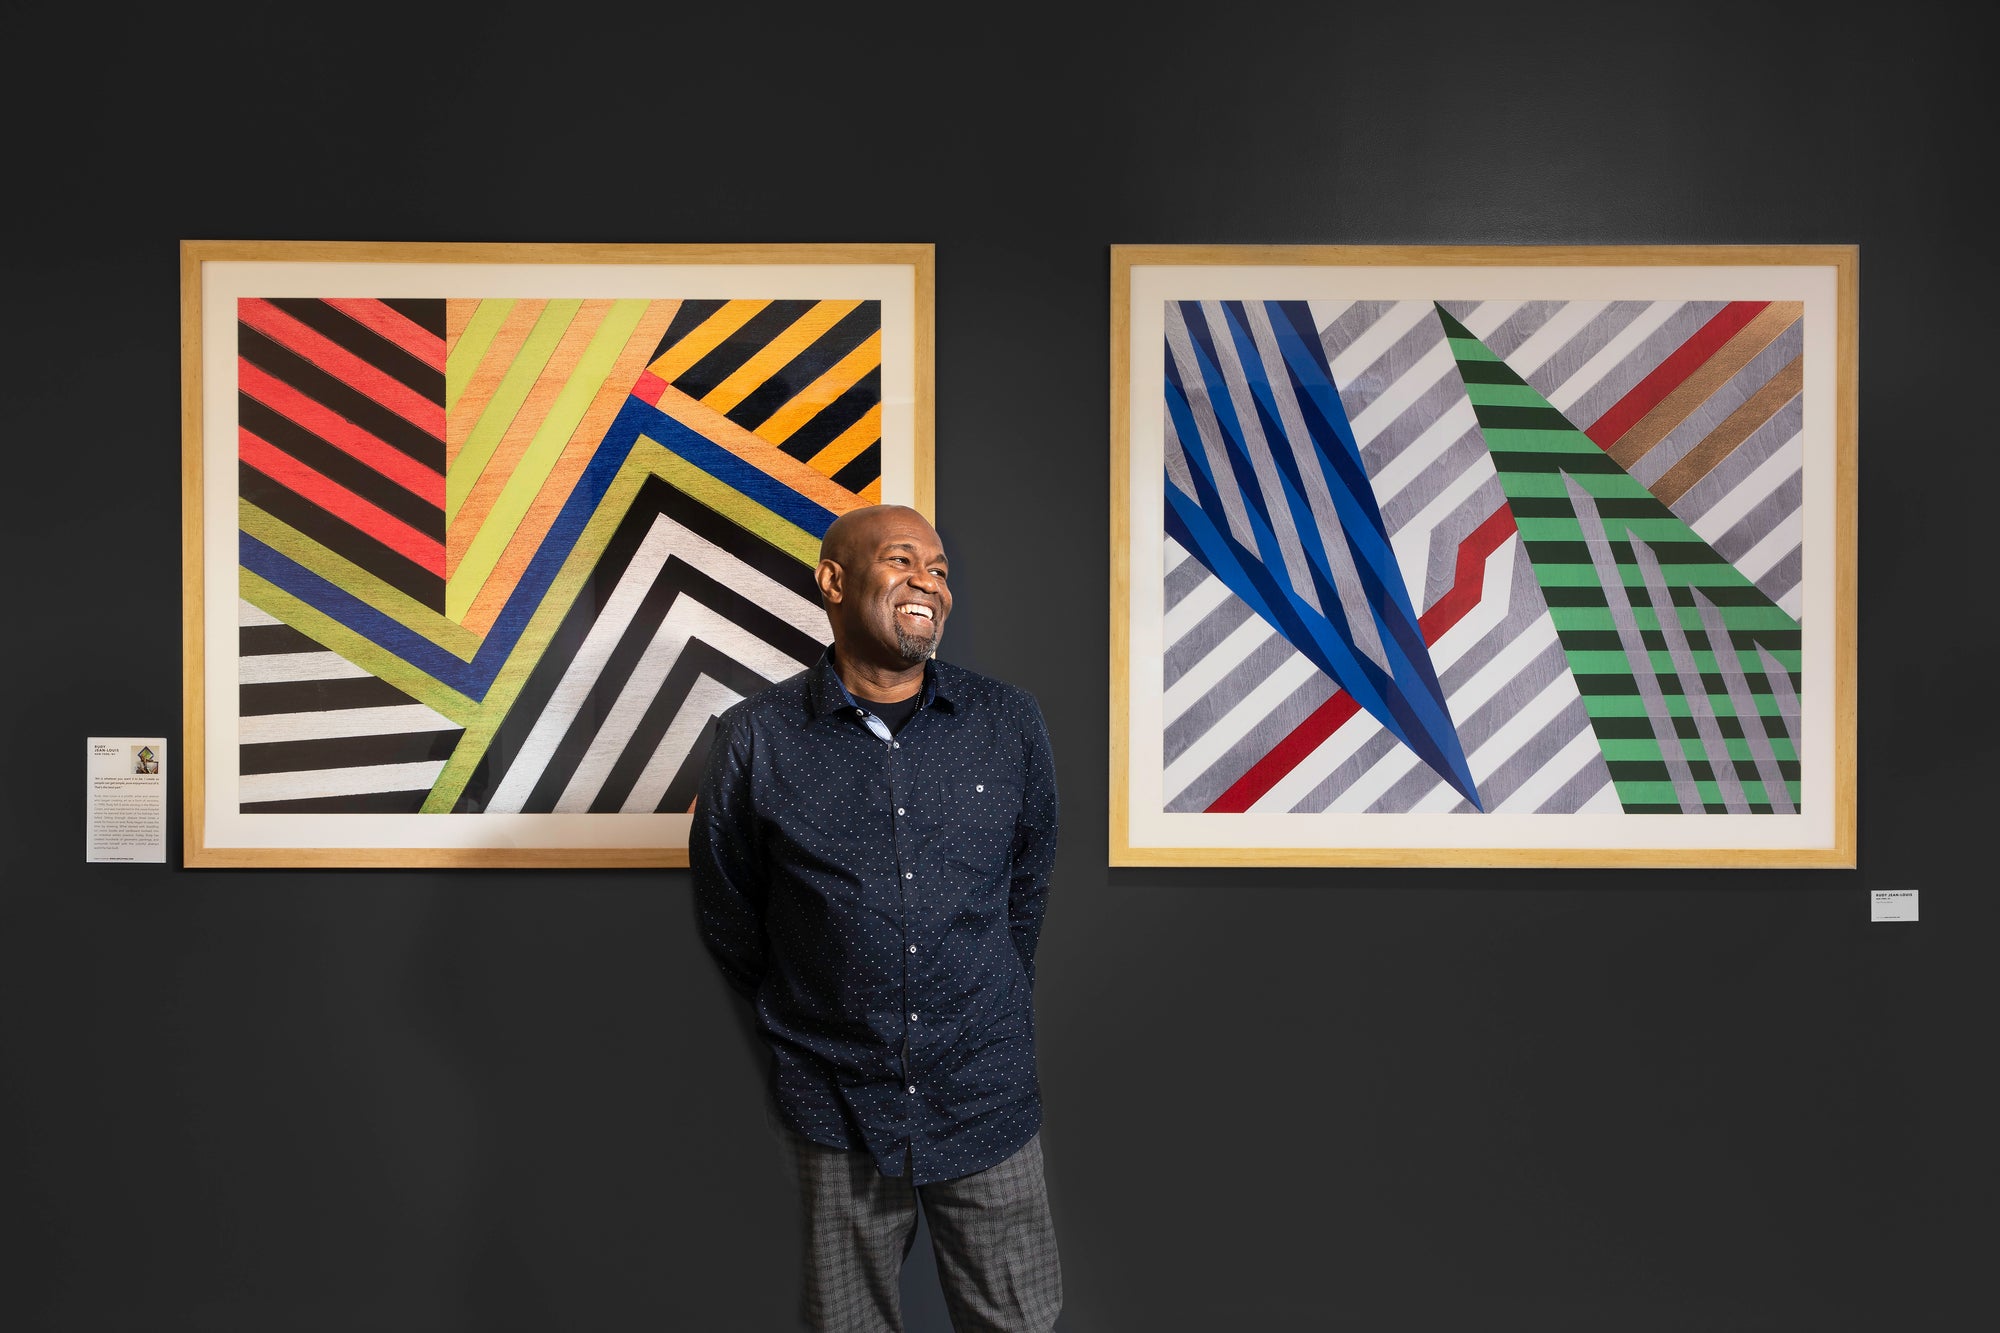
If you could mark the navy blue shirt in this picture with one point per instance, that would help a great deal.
(878, 897)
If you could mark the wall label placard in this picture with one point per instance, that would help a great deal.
(1892, 904)
(126, 798)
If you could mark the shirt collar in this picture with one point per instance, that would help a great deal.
(827, 693)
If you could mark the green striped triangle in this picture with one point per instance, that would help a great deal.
(1533, 447)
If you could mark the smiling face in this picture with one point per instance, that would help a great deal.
(882, 575)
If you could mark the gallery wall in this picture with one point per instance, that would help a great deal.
(1277, 1099)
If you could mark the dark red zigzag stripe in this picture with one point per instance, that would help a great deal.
(1468, 585)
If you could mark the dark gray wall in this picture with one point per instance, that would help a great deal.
(1416, 1100)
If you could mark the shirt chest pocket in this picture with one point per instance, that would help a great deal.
(977, 823)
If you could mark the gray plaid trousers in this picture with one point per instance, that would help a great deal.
(991, 1232)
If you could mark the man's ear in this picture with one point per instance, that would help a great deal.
(828, 578)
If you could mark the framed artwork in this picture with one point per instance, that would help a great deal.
(1483, 556)
(478, 539)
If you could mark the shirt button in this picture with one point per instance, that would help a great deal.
(913, 1087)
(899, 809)
(913, 948)
(980, 787)
(895, 745)
(913, 1018)
(909, 874)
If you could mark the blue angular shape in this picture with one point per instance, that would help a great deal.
(1405, 698)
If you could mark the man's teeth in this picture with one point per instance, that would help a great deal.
(923, 611)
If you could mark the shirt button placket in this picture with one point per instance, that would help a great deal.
(901, 842)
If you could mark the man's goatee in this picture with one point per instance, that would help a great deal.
(913, 648)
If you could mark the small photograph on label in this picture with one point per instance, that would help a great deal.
(145, 759)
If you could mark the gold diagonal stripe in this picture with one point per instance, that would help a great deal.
(582, 447)
(458, 313)
(554, 429)
(522, 374)
(1719, 443)
(1762, 330)
(469, 521)
(491, 341)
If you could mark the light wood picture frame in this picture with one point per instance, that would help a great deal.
(1367, 502)
(478, 538)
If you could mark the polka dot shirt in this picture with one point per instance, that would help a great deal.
(877, 896)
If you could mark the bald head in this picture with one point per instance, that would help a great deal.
(883, 581)
(854, 535)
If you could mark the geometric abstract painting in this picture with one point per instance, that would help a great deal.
(484, 538)
(1483, 556)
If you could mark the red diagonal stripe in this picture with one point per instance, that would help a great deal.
(395, 326)
(1667, 376)
(337, 500)
(341, 433)
(1468, 585)
(1286, 755)
(343, 365)
(649, 388)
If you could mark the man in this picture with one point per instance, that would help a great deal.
(871, 852)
